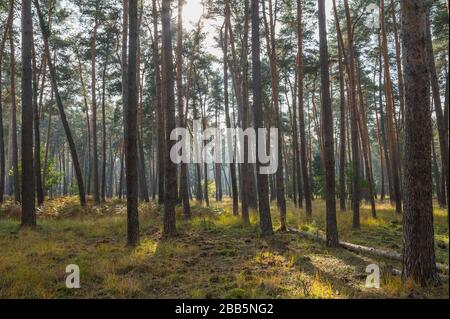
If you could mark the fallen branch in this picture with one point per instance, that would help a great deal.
(359, 248)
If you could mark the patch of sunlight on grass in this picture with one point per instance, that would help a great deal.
(374, 222)
(320, 288)
(395, 286)
(226, 220)
(145, 249)
(440, 212)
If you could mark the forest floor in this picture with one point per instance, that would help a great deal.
(214, 256)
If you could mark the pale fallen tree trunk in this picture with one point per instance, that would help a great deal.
(318, 236)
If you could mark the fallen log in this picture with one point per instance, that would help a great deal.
(318, 236)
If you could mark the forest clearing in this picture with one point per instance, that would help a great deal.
(214, 256)
(224, 149)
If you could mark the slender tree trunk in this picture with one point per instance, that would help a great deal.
(327, 119)
(205, 165)
(263, 190)
(142, 179)
(131, 133)
(234, 191)
(184, 194)
(88, 129)
(383, 124)
(217, 169)
(2, 142)
(270, 36)
(198, 191)
(37, 134)
(169, 107)
(28, 203)
(12, 143)
(124, 52)
(343, 116)
(248, 198)
(365, 143)
(356, 193)
(398, 58)
(103, 189)
(380, 151)
(390, 114)
(442, 131)
(47, 141)
(159, 109)
(303, 143)
(94, 111)
(418, 252)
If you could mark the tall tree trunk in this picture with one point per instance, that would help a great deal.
(88, 130)
(37, 134)
(131, 133)
(159, 109)
(442, 131)
(103, 189)
(390, 114)
(60, 106)
(365, 143)
(327, 119)
(94, 110)
(205, 165)
(383, 123)
(124, 74)
(217, 168)
(2, 141)
(343, 116)
(353, 120)
(380, 151)
(28, 199)
(184, 194)
(299, 72)
(12, 143)
(142, 179)
(270, 36)
(248, 198)
(263, 190)
(169, 107)
(398, 58)
(47, 141)
(234, 191)
(418, 252)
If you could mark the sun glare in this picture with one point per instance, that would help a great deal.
(192, 10)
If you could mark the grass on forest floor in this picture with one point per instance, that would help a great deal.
(214, 256)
